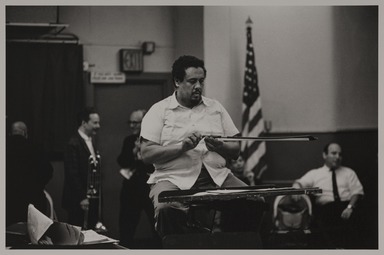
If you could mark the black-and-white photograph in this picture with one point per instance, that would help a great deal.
(192, 127)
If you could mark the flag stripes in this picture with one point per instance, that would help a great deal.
(252, 118)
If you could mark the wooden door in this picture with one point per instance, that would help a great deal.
(115, 102)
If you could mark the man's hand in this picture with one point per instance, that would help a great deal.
(250, 177)
(84, 204)
(127, 172)
(191, 141)
(346, 214)
(213, 144)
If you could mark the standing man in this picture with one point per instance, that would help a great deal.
(77, 155)
(336, 207)
(134, 195)
(177, 137)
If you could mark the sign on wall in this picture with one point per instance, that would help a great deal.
(107, 77)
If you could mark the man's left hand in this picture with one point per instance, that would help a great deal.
(213, 144)
(346, 214)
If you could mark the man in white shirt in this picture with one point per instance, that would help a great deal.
(339, 199)
(177, 138)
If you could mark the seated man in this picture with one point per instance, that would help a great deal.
(335, 206)
(28, 171)
(177, 138)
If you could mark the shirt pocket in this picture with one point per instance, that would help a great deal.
(213, 123)
(174, 127)
(166, 132)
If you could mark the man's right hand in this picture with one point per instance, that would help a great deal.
(191, 141)
(154, 153)
(84, 204)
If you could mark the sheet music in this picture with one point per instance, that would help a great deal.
(217, 192)
(91, 237)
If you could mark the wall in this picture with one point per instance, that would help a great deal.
(189, 31)
(315, 56)
(104, 30)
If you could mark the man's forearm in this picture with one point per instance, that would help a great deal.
(156, 154)
(355, 200)
(229, 150)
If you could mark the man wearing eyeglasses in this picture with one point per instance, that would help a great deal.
(134, 195)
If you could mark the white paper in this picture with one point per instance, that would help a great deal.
(218, 192)
(91, 237)
(37, 224)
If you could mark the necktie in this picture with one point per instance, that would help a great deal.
(334, 186)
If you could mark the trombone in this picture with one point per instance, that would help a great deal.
(94, 196)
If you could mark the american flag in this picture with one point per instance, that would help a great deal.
(252, 119)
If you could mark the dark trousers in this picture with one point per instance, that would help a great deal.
(134, 198)
(77, 217)
(335, 231)
(172, 218)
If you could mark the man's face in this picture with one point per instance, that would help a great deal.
(333, 157)
(189, 90)
(135, 122)
(92, 126)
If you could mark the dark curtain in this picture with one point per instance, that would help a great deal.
(44, 88)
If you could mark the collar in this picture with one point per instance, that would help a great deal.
(174, 103)
(329, 169)
(84, 136)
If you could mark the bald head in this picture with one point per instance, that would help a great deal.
(19, 128)
(135, 120)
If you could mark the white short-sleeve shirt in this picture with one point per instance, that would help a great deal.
(167, 122)
(348, 184)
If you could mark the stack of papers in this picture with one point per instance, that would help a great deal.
(220, 191)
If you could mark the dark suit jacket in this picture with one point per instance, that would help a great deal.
(28, 170)
(76, 165)
(135, 191)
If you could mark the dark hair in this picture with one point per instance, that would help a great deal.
(83, 115)
(326, 147)
(183, 63)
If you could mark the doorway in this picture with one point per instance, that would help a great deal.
(115, 102)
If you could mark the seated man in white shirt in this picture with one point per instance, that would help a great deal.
(334, 207)
(177, 137)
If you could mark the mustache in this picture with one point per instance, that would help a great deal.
(197, 91)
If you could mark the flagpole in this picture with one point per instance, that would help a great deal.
(253, 149)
